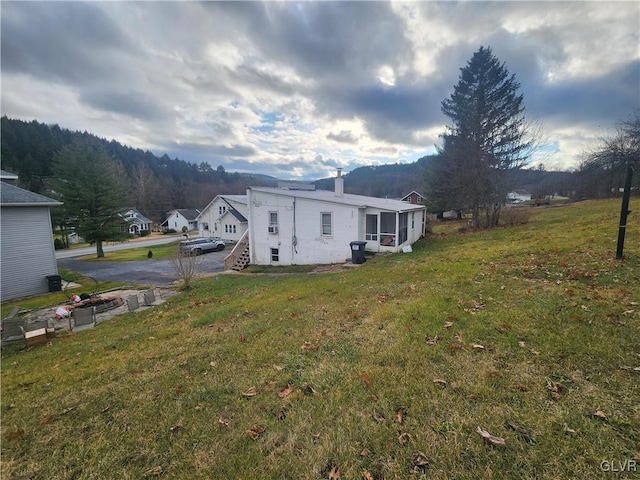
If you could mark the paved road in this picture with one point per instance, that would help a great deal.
(149, 272)
(79, 252)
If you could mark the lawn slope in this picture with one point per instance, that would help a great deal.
(531, 333)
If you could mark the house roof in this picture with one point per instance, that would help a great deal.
(232, 211)
(359, 201)
(226, 198)
(12, 196)
(8, 175)
(139, 217)
(189, 214)
(411, 193)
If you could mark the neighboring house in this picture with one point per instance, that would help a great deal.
(224, 217)
(518, 196)
(182, 217)
(415, 198)
(136, 222)
(27, 256)
(300, 227)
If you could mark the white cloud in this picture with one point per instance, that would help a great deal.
(298, 88)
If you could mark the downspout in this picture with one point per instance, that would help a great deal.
(294, 239)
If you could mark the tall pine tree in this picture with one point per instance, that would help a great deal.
(92, 188)
(486, 139)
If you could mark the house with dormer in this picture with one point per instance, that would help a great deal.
(136, 222)
(224, 217)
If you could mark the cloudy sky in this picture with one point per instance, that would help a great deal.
(295, 89)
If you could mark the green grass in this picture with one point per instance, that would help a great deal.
(160, 392)
(159, 252)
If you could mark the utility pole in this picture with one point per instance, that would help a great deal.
(624, 211)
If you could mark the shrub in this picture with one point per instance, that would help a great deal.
(58, 244)
(144, 233)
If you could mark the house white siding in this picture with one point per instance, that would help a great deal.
(318, 227)
(28, 256)
(218, 219)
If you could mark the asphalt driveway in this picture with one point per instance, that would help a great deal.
(148, 272)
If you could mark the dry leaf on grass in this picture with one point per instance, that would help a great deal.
(404, 437)
(153, 471)
(441, 383)
(365, 453)
(567, 430)
(251, 392)
(255, 431)
(378, 416)
(224, 423)
(285, 391)
(524, 345)
(420, 461)
(366, 379)
(600, 414)
(432, 341)
(448, 324)
(308, 346)
(14, 435)
(477, 346)
(366, 475)
(334, 473)
(491, 439)
(400, 415)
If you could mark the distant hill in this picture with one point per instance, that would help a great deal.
(396, 181)
(28, 150)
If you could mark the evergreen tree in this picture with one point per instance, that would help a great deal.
(485, 142)
(92, 187)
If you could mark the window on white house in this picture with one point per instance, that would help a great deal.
(222, 209)
(326, 224)
(372, 228)
(273, 219)
(275, 255)
(205, 226)
(413, 221)
(234, 228)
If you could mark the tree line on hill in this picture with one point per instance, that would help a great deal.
(154, 185)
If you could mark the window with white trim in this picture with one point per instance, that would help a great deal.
(275, 255)
(325, 218)
(371, 233)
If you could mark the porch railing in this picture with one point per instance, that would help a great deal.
(230, 259)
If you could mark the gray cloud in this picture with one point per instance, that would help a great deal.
(279, 87)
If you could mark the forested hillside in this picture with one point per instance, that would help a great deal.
(155, 184)
(159, 184)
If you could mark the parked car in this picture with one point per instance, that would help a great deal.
(198, 246)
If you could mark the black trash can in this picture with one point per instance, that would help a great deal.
(357, 252)
(55, 283)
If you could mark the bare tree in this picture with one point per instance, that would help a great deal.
(186, 266)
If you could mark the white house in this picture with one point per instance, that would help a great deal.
(180, 218)
(27, 255)
(136, 222)
(225, 217)
(301, 227)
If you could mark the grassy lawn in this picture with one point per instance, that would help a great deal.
(531, 333)
(159, 252)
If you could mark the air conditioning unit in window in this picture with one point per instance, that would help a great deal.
(273, 229)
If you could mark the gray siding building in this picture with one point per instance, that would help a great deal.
(27, 255)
